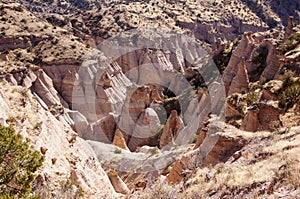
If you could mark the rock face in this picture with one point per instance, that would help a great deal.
(74, 158)
(118, 183)
(242, 52)
(145, 131)
(250, 122)
(271, 90)
(262, 116)
(172, 127)
(272, 60)
(119, 140)
(240, 83)
(214, 149)
(289, 29)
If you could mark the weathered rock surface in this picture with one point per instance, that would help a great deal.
(45, 131)
(272, 61)
(215, 148)
(119, 140)
(271, 90)
(118, 183)
(172, 127)
(242, 51)
(240, 82)
(262, 116)
(250, 122)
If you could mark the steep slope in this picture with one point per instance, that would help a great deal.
(206, 19)
(56, 84)
(71, 168)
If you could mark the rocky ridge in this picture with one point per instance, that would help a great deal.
(261, 97)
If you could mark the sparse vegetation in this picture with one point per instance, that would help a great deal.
(71, 188)
(287, 79)
(118, 151)
(291, 43)
(252, 97)
(18, 164)
(289, 96)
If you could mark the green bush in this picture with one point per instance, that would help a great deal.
(252, 97)
(287, 79)
(292, 41)
(289, 97)
(18, 164)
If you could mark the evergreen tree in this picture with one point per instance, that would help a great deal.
(18, 164)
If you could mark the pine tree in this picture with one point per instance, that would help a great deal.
(18, 164)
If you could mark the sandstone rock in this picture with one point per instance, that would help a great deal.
(175, 176)
(43, 150)
(235, 107)
(289, 28)
(223, 149)
(272, 61)
(269, 116)
(44, 87)
(117, 182)
(52, 140)
(215, 148)
(271, 90)
(201, 137)
(172, 127)
(262, 116)
(103, 130)
(119, 140)
(240, 82)
(243, 50)
(251, 122)
(146, 130)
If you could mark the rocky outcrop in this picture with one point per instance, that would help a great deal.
(145, 131)
(235, 108)
(272, 61)
(215, 148)
(269, 116)
(262, 116)
(75, 159)
(242, 52)
(172, 127)
(289, 29)
(14, 43)
(224, 148)
(271, 90)
(251, 122)
(117, 182)
(119, 140)
(240, 82)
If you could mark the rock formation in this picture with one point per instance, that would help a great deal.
(119, 140)
(251, 122)
(289, 29)
(240, 82)
(172, 127)
(262, 116)
(272, 61)
(118, 183)
(51, 136)
(242, 52)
